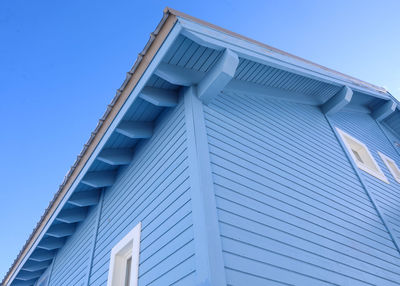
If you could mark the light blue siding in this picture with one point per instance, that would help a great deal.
(387, 196)
(154, 189)
(291, 208)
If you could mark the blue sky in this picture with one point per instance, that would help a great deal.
(62, 61)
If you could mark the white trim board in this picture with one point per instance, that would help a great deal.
(127, 247)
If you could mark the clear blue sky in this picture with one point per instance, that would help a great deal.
(62, 61)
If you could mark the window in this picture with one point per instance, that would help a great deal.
(124, 262)
(392, 166)
(361, 155)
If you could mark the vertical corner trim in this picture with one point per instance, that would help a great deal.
(338, 101)
(94, 237)
(210, 268)
(51, 270)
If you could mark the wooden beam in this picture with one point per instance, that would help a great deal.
(32, 265)
(135, 129)
(338, 101)
(17, 282)
(72, 215)
(218, 77)
(178, 75)
(61, 230)
(382, 112)
(116, 157)
(99, 179)
(27, 275)
(51, 243)
(85, 198)
(159, 97)
(42, 255)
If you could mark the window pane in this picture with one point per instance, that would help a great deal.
(361, 156)
(128, 271)
(357, 155)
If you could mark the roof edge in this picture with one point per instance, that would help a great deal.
(281, 52)
(142, 61)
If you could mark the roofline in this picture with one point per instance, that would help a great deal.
(133, 76)
(236, 35)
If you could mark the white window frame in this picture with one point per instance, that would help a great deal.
(375, 170)
(387, 160)
(128, 247)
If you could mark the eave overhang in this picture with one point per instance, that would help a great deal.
(92, 148)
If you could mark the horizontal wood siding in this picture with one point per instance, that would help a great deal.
(154, 189)
(387, 196)
(72, 260)
(291, 209)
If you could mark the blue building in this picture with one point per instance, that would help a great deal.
(223, 161)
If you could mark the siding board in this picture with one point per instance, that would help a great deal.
(154, 189)
(387, 196)
(330, 253)
(291, 155)
(291, 208)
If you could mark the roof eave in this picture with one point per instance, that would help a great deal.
(133, 76)
(277, 57)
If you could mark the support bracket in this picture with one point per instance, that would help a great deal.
(382, 112)
(338, 101)
(159, 97)
(219, 76)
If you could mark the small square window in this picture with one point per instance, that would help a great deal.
(124, 262)
(361, 156)
(392, 166)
